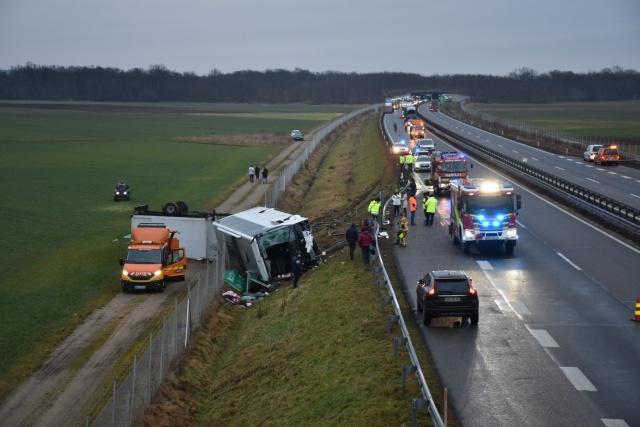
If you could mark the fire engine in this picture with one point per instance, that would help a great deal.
(483, 211)
(445, 167)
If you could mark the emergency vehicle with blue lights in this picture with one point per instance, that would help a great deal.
(446, 167)
(483, 212)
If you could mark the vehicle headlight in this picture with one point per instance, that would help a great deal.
(469, 233)
(512, 232)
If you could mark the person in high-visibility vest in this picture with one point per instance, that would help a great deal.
(401, 163)
(408, 159)
(413, 205)
(374, 209)
(431, 204)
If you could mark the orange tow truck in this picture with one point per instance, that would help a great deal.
(154, 257)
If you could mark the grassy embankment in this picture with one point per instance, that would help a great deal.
(62, 232)
(320, 354)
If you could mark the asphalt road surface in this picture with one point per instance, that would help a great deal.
(555, 345)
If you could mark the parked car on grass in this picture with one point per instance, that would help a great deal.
(297, 135)
(447, 293)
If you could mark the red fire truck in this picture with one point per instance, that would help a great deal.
(483, 212)
(445, 167)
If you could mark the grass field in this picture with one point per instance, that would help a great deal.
(599, 119)
(63, 234)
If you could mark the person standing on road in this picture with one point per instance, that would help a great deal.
(408, 159)
(396, 200)
(257, 173)
(413, 187)
(424, 209)
(352, 239)
(432, 202)
(404, 199)
(413, 205)
(403, 229)
(252, 173)
(265, 174)
(364, 240)
(401, 159)
(296, 264)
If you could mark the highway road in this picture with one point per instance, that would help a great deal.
(555, 345)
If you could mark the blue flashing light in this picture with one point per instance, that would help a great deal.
(480, 217)
(500, 217)
(496, 223)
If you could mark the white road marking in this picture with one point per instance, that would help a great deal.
(593, 180)
(610, 422)
(543, 338)
(577, 378)
(567, 259)
(625, 177)
(485, 265)
(635, 195)
(519, 308)
(499, 304)
(557, 167)
(535, 159)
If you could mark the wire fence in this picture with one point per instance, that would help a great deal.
(627, 150)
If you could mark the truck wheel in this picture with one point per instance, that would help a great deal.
(465, 247)
(171, 209)
(509, 246)
(183, 207)
(161, 288)
(456, 240)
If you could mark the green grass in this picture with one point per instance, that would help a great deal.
(62, 232)
(599, 119)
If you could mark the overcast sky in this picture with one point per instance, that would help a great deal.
(420, 36)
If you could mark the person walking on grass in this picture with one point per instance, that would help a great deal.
(296, 264)
(252, 173)
(374, 209)
(257, 173)
(265, 175)
(364, 240)
(352, 239)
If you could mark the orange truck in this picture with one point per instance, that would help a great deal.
(417, 129)
(154, 257)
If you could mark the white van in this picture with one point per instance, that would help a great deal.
(591, 152)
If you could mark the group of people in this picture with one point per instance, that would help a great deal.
(407, 159)
(364, 239)
(405, 206)
(255, 173)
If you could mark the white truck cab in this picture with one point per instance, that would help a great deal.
(591, 152)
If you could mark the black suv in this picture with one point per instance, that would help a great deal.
(447, 293)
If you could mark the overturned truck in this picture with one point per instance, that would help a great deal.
(262, 242)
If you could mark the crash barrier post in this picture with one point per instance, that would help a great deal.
(407, 369)
(636, 317)
(381, 284)
(398, 341)
(417, 404)
(385, 300)
(392, 318)
(134, 388)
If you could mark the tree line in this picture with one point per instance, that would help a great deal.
(159, 84)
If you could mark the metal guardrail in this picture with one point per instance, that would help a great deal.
(427, 401)
(614, 212)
